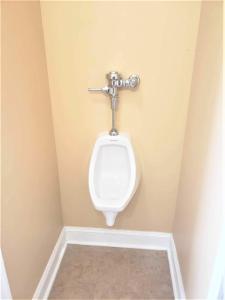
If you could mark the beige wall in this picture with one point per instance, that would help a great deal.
(31, 218)
(84, 41)
(198, 216)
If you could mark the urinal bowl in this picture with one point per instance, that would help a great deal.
(113, 175)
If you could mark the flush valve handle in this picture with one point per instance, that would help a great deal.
(104, 90)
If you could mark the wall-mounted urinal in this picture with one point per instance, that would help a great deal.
(113, 175)
(113, 172)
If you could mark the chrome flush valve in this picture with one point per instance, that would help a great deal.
(116, 82)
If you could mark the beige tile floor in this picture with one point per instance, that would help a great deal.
(89, 272)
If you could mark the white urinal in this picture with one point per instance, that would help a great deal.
(113, 176)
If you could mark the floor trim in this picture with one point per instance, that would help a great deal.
(45, 284)
(117, 238)
(5, 292)
(175, 271)
(110, 238)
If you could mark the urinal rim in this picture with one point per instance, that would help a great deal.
(104, 140)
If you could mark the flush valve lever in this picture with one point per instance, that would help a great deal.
(101, 90)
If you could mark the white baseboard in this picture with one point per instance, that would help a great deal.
(49, 274)
(110, 238)
(5, 292)
(117, 238)
(175, 272)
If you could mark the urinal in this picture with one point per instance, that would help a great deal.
(113, 175)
